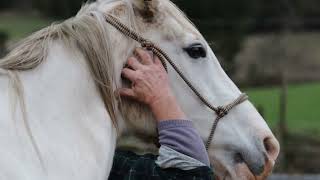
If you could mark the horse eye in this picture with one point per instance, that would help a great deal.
(196, 51)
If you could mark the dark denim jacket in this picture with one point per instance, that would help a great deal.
(130, 166)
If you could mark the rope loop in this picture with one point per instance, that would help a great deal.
(222, 111)
(147, 44)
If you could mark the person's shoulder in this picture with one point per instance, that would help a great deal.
(200, 173)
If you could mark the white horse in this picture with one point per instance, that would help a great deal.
(59, 117)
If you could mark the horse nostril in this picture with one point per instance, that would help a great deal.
(256, 167)
(272, 148)
(238, 158)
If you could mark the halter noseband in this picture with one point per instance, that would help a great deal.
(220, 111)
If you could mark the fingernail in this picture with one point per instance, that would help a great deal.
(151, 54)
(139, 49)
(135, 52)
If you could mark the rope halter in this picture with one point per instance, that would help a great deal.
(220, 111)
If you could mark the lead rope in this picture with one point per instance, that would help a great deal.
(221, 111)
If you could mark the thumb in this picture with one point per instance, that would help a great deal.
(126, 92)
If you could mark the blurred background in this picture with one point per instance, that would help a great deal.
(270, 48)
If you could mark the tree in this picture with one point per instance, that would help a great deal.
(3, 40)
(223, 22)
(5, 4)
(59, 8)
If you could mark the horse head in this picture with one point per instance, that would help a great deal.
(243, 146)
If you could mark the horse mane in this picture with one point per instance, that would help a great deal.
(88, 32)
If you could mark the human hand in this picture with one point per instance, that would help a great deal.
(148, 77)
(150, 85)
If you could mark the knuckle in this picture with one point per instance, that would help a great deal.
(144, 68)
(125, 71)
(145, 55)
(139, 80)
(139, 76)
(130, 61)
(156, 66)
(147, 69)
(148, 72)
(139, 72)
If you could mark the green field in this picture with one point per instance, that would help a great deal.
(20, 25)
(303, 107)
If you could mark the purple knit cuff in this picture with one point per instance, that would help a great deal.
(167, 124)
(181, 136)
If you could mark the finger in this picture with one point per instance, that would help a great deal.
(158, 62)
(125, 92)
(144, 56)
(129, 74)
(134, 63)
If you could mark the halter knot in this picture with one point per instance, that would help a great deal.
(221, 112)
(147, 44)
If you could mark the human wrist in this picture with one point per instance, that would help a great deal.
(167, 108)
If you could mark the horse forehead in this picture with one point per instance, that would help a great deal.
(170, 28)
(166, 24)
(173, 32)
(111, 6)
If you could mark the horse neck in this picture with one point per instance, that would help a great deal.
(66, 115)
(137, 128)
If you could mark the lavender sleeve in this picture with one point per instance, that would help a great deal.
(181, 136)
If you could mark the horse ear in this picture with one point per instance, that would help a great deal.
(146, 8)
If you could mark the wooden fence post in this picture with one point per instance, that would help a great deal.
(3, 40)
(283, 129)
(283, 104)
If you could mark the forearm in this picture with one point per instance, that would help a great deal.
(177, 133)
(167, 108)
(181, 136)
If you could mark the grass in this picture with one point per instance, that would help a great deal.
(19, 25)
(303, 107)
